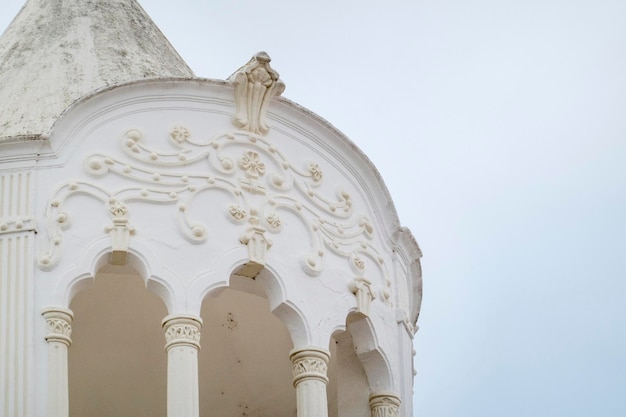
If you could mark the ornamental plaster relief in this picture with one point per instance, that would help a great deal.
(260, 180)
(184, 182)
(256, 84)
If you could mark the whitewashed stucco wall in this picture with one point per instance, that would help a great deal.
(162, 165)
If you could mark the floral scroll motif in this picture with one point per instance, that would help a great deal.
(274, 221)
(316, 173)
(260, 181)
(251, 163)
(237, 212)
(180, 134)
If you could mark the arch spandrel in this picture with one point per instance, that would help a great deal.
(161, 165)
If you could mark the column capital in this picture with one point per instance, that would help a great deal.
(309, 363)
(182, 329)
(59, 324)
(385, 404)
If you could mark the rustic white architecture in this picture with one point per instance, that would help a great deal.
(179, 246)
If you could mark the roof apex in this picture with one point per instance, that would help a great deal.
(56, 51)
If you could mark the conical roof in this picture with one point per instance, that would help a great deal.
(56, 51)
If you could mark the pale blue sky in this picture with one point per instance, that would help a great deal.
(500, 130)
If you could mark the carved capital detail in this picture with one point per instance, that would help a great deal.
(385, 404)
(59, 325)
(182, 330)
(256, 84)
(263, 186)
(309, 363)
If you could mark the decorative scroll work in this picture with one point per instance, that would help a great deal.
(260, 181)
(385, 405)
(58, 220)
(256, 84)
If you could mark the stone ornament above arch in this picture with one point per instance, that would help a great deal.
(164, 149)
(256, 84)
(262, 182)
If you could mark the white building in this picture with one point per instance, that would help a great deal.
(142, 207)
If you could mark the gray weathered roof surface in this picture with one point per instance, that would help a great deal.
(56, 51)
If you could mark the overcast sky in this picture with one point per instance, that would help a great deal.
(500, 129)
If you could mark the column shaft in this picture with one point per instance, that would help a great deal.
(182, 335)
(59, 322)
(309, 377)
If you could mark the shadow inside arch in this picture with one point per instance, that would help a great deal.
(117, 356)
(141, 261)
(371, 356)
(247, 335)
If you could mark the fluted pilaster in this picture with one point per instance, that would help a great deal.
(16, 294)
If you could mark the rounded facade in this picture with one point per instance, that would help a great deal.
(187, 247)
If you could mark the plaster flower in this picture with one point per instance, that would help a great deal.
(251, 163)
(180, 134)
(358, 263)
(237, 212)
(118, 209)
(316, 172)
(273, 220)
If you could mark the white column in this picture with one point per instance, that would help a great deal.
(310, 365)
(385, 404)
(182, 335)
(58, 335)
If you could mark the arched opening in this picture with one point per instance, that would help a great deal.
(244, 365)
(348, 388)
(117, 364)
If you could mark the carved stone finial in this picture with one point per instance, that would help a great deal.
(256, 84)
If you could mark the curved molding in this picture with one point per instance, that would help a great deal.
(201, 90)
(141, 258)
(373, 357)
(410, 253)
(259, 179)
(269, 281)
